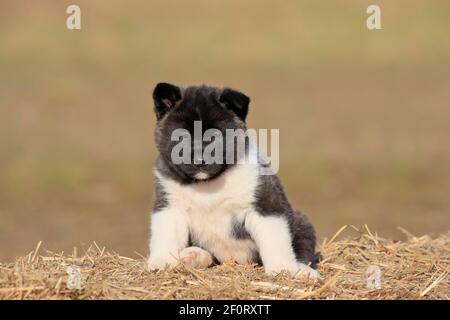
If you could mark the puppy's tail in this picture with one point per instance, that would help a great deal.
(305, 240)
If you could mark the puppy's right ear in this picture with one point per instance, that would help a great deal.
(165, 96)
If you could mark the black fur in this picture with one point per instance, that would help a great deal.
(160, 198)
(165, 97)
(239, 231)
(236, 101)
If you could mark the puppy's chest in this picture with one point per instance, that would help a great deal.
(228, 195)
(220, 230)
(216, 212)
(211, 204)
(211, 213)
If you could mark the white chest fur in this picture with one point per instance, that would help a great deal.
(212, 208)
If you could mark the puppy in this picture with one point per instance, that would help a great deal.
(206, 214)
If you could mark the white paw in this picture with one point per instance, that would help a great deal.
(196, 257)
(307, 273)
(161, 262)
(298, 271)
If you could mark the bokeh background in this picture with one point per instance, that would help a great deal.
(364, 116)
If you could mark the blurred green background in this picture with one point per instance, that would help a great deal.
(364, 116)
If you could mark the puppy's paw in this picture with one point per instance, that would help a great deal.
(306, 273)
(273, 270)
(161, 262)
(298, 270)
(196, 257)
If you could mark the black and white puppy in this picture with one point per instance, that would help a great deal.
(211, 213)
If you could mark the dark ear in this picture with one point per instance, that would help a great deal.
(165, 96)
(235, 101)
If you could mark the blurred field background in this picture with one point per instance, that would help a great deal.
(363, 115)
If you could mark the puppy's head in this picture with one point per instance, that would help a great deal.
(179, 109)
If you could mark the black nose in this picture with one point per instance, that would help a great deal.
(201, 163)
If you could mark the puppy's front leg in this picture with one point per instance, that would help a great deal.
(168, 236)
(274, 240)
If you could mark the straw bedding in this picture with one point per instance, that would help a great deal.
(416, 268)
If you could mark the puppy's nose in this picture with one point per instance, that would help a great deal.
(198, 158)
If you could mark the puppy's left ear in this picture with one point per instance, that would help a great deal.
(235, 101)
(165, 96)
